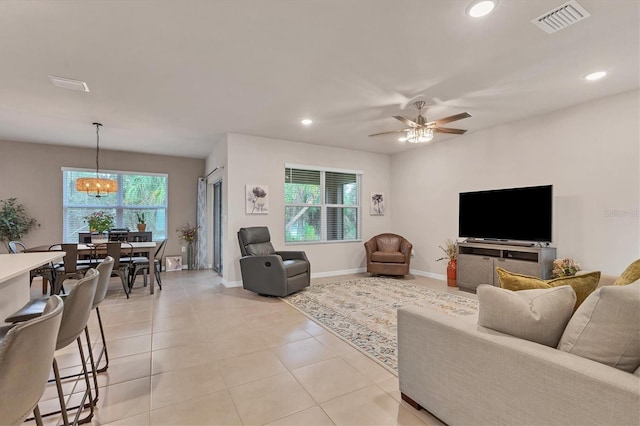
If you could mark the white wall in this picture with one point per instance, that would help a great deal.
(256, 160)
(589, 153)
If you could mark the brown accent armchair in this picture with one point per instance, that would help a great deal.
(388, 254)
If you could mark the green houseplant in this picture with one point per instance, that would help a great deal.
(142, 222)
(99, 222)
(14, 221)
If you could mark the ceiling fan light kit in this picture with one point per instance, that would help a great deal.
(420, 130)
(421, 135)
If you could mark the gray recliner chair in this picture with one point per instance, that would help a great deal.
(269, 272)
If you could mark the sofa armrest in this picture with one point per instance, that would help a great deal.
(466, 374)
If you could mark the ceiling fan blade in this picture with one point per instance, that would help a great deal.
(447, 130)
(388, 133)
(452, 118)
(406, 121)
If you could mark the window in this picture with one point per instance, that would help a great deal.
(137, 193)
(321, 205)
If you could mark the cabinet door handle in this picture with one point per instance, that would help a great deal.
(500, 260)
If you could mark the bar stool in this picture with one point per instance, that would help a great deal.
(77, 308)
(26, 353)
(34, 309)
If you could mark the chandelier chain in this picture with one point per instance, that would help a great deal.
(97, 147)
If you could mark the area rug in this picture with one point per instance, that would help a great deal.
(363, 311)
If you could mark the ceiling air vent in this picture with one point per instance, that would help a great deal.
(561, 17)
(67, 83)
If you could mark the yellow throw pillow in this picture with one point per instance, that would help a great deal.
(583, 284)
(630, 275)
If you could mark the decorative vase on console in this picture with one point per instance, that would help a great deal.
(450, 250)
(451, 272)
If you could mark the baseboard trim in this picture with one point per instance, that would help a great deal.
(335, 273)
(428, 274)
(230, 284)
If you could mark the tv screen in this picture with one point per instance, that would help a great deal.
(519, 214)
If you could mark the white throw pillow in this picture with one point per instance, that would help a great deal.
(606, 327)
(537, 315)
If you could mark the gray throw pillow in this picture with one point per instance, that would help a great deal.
(538, 315)
(606, 327)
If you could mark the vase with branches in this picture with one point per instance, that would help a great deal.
(190, 235)
(450, 250)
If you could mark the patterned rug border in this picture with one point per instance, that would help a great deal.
(335, 333)
(345, 314)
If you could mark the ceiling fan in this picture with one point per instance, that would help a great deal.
(420, 130)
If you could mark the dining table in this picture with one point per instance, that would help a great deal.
(145, 248)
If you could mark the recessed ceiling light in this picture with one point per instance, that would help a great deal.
(67, 83)
(479, 8)
(595, 75)
(402, 139)
(306, 121)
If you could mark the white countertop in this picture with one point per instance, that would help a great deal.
(12, 265)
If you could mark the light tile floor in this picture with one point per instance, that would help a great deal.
(197, 353)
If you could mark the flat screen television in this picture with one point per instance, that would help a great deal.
(513, 214)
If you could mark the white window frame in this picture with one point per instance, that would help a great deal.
(324, 206)
(119, 207)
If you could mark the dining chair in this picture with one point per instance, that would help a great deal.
(142, 265)
(70, 268)
(45, 271)
(122, 260)
(26, 354)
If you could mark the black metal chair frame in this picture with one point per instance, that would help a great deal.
(142, 265)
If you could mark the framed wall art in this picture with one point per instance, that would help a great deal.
(377, 204)
(257, 198)
(173, 263)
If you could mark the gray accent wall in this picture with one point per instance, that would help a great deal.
(33, 173)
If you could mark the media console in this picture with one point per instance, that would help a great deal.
(477, 262)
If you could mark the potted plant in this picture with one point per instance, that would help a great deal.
(14, 221)
(142, 222)
(450, 250)
(99, 223)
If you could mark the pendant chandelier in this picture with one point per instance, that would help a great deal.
(97, 186)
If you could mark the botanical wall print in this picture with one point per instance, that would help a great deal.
(257, 199)
(377, 204)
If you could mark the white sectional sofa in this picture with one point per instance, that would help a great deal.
(466, 374)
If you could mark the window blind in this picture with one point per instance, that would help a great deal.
(137, 193)
(322, 205)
